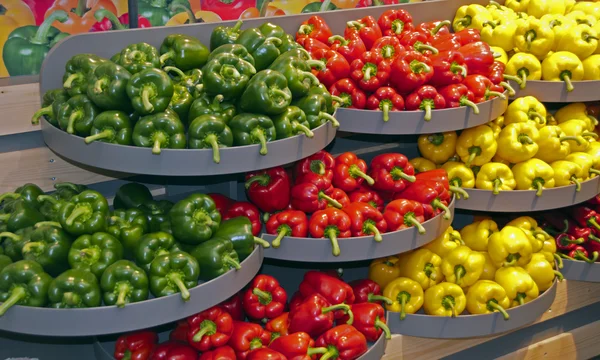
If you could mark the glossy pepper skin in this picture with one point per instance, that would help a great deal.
(216, 257)
(77, 115)
(287, 223)
(422, 266)
(227, 75)
(438, 147)
(486, 297)
(369, 320)
(297, 73)
(267, 93)
(562, 66)
(391, 172)
(336, 66)
(160, 130)
(292, 122)
(183, 51)
(222, 35)
(210, 132)
(128, 226)
(476, 235)
(251, 129)
(343, 341)
(509, 247)
(365, 220)
(138, 57)
(542, 272)
(483, 88)
(94, 253)
(410, 70)
(310, 198)
(520, 287)
(107, 84)
(448, 68)
(476, 146)
(334, 290)
(157, 214)
(352, 48)
(173, 351)
(27, 194)
(350, 172)
(401, 214)
(366, 290)
(315, 107)
(462, 266)
(370, 71)
(74, 289)
(23, 283)
(394, 22)
(124, 282)
(135, 346)
(269, 189)
(77, 73)
(425, 98)
(367, 196)
(314, 315)
(428, 197)
(264, 299)
(233, 306)
(315, 27)
(12, 243)
(150, 91)
(517, 142)
(19, 216)
(221, 353)
(247, 337)
(181, 101)
(248, 210)
(48, 246)
(206, 105)
(194, 219)
(353, 97)
(385, 99)
(296, 346)
(209, 329)
(172, 273)
(406, 296)
(278, 326)
(332, 223)
(84, 213)
(112, 127)
(152, 245)
(50, 104)
(445, 299)
(534, 174)
(368, 29)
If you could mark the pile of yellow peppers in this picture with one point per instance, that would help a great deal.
(554, 40)
(481, 269)
(526, 149)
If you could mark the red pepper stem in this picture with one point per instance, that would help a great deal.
(9, 195)
(355, 24)
(176, 279)
(337, 99)
(231, 262)
(41, 35)
(314, 351)
(77, 212)
(437, 204)
(100, 14)
(335, 246)
(420, 47)
(578, 241)
(10, 235)
(414, 222)
(373, 298)
(374, 231)
(333, 202)
(16, 295)
(494, 305)
(207, 327)
(262, 179)
(386, 111)
(427, 107)
(558, 260)
(456, 68)
(339, 38)
(299, 128)
(262, 242)
(101, 135)
(439, 26)
(277, 241)
(458, 191)
(331, 353)
(355, 172)
(264, 297)
(566, 256)
(48, 223)
(305, 29)
(345, 308)
(383, 326)
(328, 117)
(506, 86)
(35, 119)
(495, 93)
(398, 173)
(593, 223)
(590, 238)
(516, 79)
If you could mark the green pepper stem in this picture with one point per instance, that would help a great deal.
(497, 183)
(559, 275)
(437, 204)
(212, 140)
(4, 217)
(283, 94)
(166, 56)
(148, 107)
(75, 214)
(383, 326)
(385, 108)
(34, 246)
(99, 84)
(506, 86)
(373, 298)
(330, 118)
(374, 231)
(343, 307)
(403, 299)
(35, 119)
(262, 242)
(303, 129)
(523, 74)
(70, 79)
(499, 309)
(558, 260)
(313, 79)
(274, 40)
(10, 235)
(414, 222)
(16, 295)
(540, 188)
(176, 279)
(490, 93)
(101, 135)
(258, 134)
(156, 147)
(333, 202)
(41, 35)
(459, 191)
(277, 241)
(122, 298)
(314, 351)
(516, 79)
(231, 262)
(75, 115)
(48, 223)
(567, 79)
(9, 195)
(177, 71)
(335, 246)
(103, 13)
(317, 64)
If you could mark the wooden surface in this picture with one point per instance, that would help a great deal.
(17, 105)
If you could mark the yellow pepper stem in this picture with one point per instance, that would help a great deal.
(521, 298)
(589, 134)
(577, 183)
(593, 120)
(516, 79)
(525, 139)
(523, 74)
(383, 326)
(539, 185)
(541, 232)
(402, 298)
(474, 151)
(457, 239)
(373, 298)
(459, 272)
(511, 260)
(558, 275)
(536, 116)
(458, 191)
(497, 184)
(506, 86)
(558, 260)
(494, 306)
(577, 139)
(448, 303)
(566, 77)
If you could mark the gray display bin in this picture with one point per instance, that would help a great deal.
(581, 271)
(556, 91)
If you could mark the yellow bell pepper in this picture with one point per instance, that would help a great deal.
(594, 149)
(486, 297)
(591, 67)
(539, 8)
(582, 18)
(500, 12)
(576, 111)
(542, 272)
(509, 247)
(406, 296)
(586, 162)
(501, 56)
(500, 33)
(463, 266)
(525, 66)
(471, 16)
(489, 269)
(423, 266)
(549, 252)
(562, 66)
(517, 142)
(384, 270)
(553, 144)
(477, 145)
(580, 40)
(535, 37)
(445, 299)
(559, 24)
(476, 235)
(498, 159)
(445, 243)
(525, 109)
(518, 6)
(460, 176)
(533, 174)
(535, 234)
(495, 128)
(421, 164)
(588, 7)
(438, 147)
(577, 129)
(496, 177)
(567, 173)
(520, 287)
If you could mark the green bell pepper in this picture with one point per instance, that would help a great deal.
(315, 108)
(66, 190)
(124, 282)
(150, 91)
(13, 242)
(84, 214)
(26, 47)
(131, 195)
(222, 35)
(116, 58)
(48, 246)
(21, 216)
(271, 30)
(317, 6)
(107, 87)
(210, 131)
(128, 226)
(238, 230)
(292, 122)
(77, 115)
(289, 43)
(320, 89)
(23, 283)
(111, 126)
(191, 79)
(194, 219)
(226, 75)
(161, 130)
(216, 257)
(157, 213)
(74, 289)
(4, 261)
(174, 272)
(181, 102)
(266, 93)
(298, 74)
(234, 49)
(50, 207)
(78, 73)
(251, 129)
(212, 106)
(152, 246)
(51, 96)
(301, 54)
(159, 12)
(94, 253)
(184, 52)
(138, 57)
(263, 49)
(28, 193)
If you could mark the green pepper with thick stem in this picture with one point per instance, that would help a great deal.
(123, 283)
(238, 230)
(49, 246)
(252, 39)
(150, 91)
(4, 261)
(13, 243)
(210, 131)
(21, 216)
(183, 51)
(128, 226)
(292, 122)
(28, 193)
(139, 57)
(288, 43)
(271, 30)
(298, 74)
(251, 129)
(315, 108)
(77, 115)
(78, 71)
(47, 111)
(181, 101)
(111, 126)
(234, 49)
(23, 283)
(320, 89)
(50, 207)
(216, 257)
(160, 131)
(131, 195)
(194, 219)
(301, 54)
(74, 289)
(107, 87)
(191, 79)
(226, 75)
(172, 273)
(84, 214)
(94, 253)
(66, 190)
(266, 93)
(205, 105)
(222, 35)
(152, 246)
(157, 213)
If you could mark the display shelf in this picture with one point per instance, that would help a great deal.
(467, 326)
(411, 122)
(135, 316)
(184, 162)
(526, 200)
(581, 270)
(556, 91)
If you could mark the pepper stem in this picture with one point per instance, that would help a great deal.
(589, 134)
(506, 86)
(448, 302)
(299, 128)
(12, 196)
(523, 74)
(166, 56)
(374, 231)
(231, 262)
(577, 139)
(567, 79)
(174, 69)
(383, 326)
(343, 307)
(70, 79)
(593, 119)
(262, 179)
(41, 35)
(103, 13)
(317, 64)
(277, 241)
(48, 223)
(516, 79)
(99, 84)
(257, 133)
(314, 351)
(333, 202)
(148, 107)
(16, 295)
(4, 217)
(339, 38)
(459, 272)
(328, 117)
(414, 222)
(373, 298)
(176, 279)
(35, 246)
(10, 235)
(540, 232)
(497, 183)
(577, 183)
(498, 308)
(491, 93)
(440, 205)
(274, 40)
(398, 173)
(335, 246)
(558, 260)
(35, 119)
(472, 156)
(356, 172)
(75, 214)
(403, 299)
(262, 242)
(158, 140)
(283, 94)
(211, 139)
(331, 353)
(206, 328)
(75, 115)
(101, 135)
(540, 187)
(386, 111)
(559, 275)
(309, 75)
(122, 298)
(459, 191)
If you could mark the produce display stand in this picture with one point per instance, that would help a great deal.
(556, 91)
(581, 271)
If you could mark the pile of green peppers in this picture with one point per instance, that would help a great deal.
(68, 249)
(253, 86)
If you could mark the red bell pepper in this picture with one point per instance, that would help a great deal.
(353, 97)
(417, 41)
(420, 191)
(308, 198)
(315, 27)
(210, 328)
(351, 48)
(234, 307)
(410, 70)
(434, 29)
(297, 346)
(247, 209)
(363, 3)
(269, 189)
(227, 10)
(332, 223)
(343, 342)
(335, 290)
(566, 242)
(108, 21)
(447, 42)
(135, 346)
(366, 290)
(350, 172)
(401, 214)
(221, 353)
(385, 99)
(437, 179)
(340, 196)
(594, 201)
(496, 74)
(265, 354)
(395, 22)
(583, 233)
(247, 337)
(174, 351)
(425, 98)
(222, 202)
(365, 220)
(459, 95)
(336, 66)
(367, 29)
(593, 245)
(371, 71)
(448, 68)
(483, 89)
(478, 56)
(296, 300)
(321, 163)
(388, 46)
(580, 253)
(311, 45)
(314, 315)
(278, 326)
(585, 217)
(287, 223)
(369, 319)
(264, 299)
(38, 8)
(468, 36)
(367, 196)
(391, 172)
(180, 332)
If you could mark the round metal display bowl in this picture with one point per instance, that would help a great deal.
(580, 271)
(556, 91)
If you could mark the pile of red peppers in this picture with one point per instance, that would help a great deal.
(326, 318)
(392, 64)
